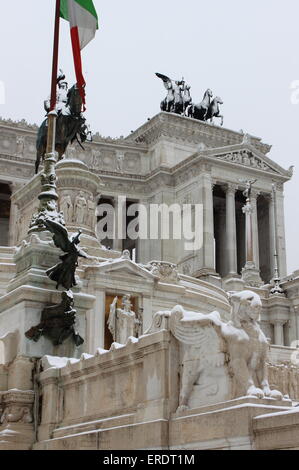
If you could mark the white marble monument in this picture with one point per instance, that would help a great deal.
(198, 341)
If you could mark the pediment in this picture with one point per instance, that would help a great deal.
(248, 156)
(125, 267)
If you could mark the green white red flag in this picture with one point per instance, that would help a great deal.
(83, 20)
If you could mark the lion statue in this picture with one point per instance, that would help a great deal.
(248, 347)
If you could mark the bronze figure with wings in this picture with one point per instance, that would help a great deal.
(64, 272)
(174, 101)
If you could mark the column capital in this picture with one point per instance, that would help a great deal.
(255, 193)
(278, 187)
(214, 183)
(278, 321)
(15, 186)
(231, 188)
(269, 197)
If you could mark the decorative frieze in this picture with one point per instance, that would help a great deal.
(78, 208)
(246, 158)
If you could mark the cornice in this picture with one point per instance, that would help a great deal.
(18, 126)
(172, 126)
(188, 129)
(25, 127)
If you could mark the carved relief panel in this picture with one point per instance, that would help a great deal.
(78, 208)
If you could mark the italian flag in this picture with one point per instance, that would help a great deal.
(83, 20)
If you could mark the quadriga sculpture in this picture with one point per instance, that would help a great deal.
(220, 361)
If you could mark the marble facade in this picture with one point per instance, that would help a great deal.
(170, 159)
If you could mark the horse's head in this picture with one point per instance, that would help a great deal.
(74, 100)
(208, 93)
(246, 306)
(217, 100)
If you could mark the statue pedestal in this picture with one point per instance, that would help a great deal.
(207, 427)
(233, 283)
(17, 427)
(29, 292)
(16, 404)
(78, 189)
(251, 275)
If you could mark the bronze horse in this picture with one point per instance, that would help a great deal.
(214, 110)
(200, 110)
(69, 125)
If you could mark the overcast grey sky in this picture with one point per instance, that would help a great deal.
(246, 51)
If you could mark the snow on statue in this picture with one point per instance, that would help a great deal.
(220, 361)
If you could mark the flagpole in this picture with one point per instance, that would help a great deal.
(52, 114)
(48, 197)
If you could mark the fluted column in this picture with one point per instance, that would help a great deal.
(255, 231)
(231, 230)
(278, 332)
(205, 262)
(207, 200)
(13, 219)
(119, 223)
(272, 237)
(251, 272)
(280, 230)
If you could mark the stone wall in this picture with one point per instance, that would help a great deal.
(285, 377)
(127, 386)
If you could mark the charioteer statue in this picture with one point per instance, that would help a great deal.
(179, 101)
(70, 124)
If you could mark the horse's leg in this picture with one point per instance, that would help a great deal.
(220, 117)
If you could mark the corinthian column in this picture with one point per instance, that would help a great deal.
(231, 230)
(255, 232)
(250, 273)
(278, 332)
(13, 219)
(280, 230)
(272, 230)
(119, 223)
(206, 199)
(205, 257)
